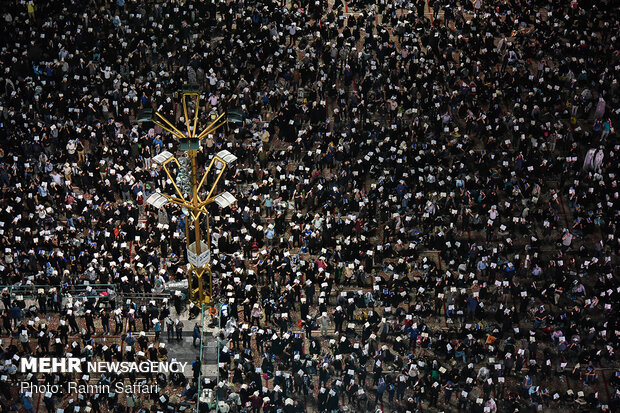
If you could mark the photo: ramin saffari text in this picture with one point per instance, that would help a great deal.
(320, 206)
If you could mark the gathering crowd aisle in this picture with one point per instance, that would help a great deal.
(427, 215)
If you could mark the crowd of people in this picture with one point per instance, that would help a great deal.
(426, 217)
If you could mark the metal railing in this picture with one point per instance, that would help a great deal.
(32, 291)
(203, 348)
(145, 297)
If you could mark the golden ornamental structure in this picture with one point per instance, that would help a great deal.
(191, 193)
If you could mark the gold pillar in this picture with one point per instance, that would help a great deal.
(195, 206)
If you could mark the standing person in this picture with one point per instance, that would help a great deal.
(268, 205)
(30, 7)
(324, 323)
(105, 322)
(196, 334)
(567, 239)
(256, 315)
(131, 317)
(80, 151)
(436, 8)
(391, 390)
(380, 390)
(178, 326)
(42, 299)
(27, 402)
(6, 323)
(72, 323)
(600, 108)
(401, 386)
(118, 321)
(90, 322)
(169, 328)
(23, 338)
(49, 404)
(338, 320)
(157, 329)
(448, 388)
(323, 375)
(196, 368)
(292, 30)
(269, 234)
(606, 129)
(56, 300)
